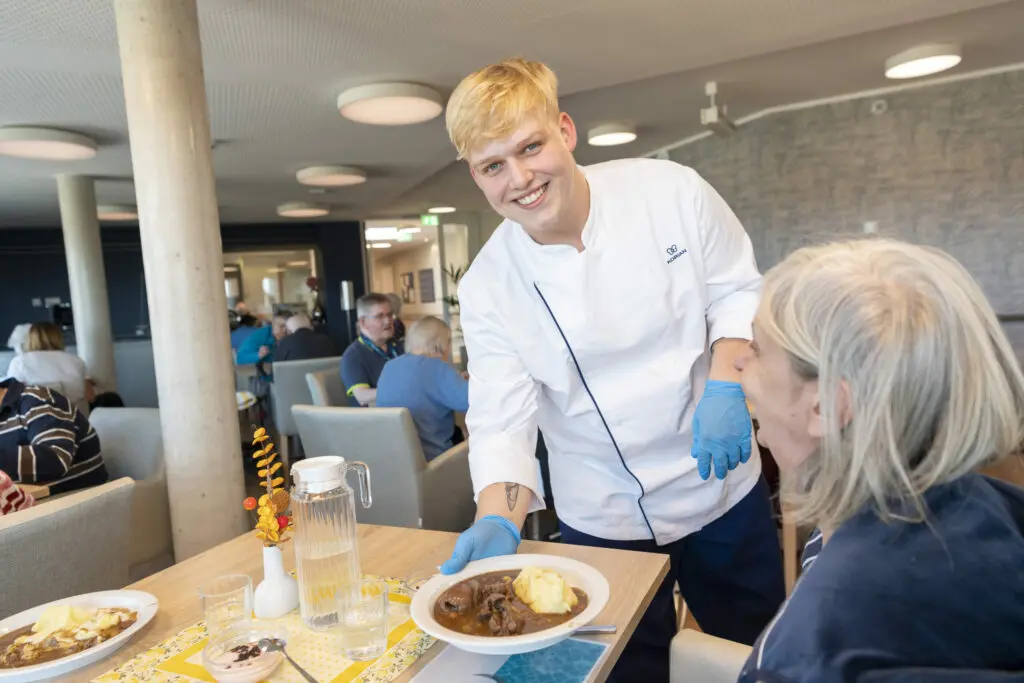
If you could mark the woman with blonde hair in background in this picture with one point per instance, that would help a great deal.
(882, 381)
(45, 362)
(424, 381)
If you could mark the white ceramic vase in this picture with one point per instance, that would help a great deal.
(278, 593)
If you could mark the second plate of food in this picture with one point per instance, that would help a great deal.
(510, 604)
(70, 634)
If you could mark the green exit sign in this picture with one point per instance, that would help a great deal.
(428, 219)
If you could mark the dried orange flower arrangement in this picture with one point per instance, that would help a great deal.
(273, 521)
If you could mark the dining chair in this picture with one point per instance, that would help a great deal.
(407, 490)
(288, 389)
(326, 388)
(132, 445)
(75, 544)
(696, 657)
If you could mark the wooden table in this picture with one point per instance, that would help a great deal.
(37, 491)
(387, 551)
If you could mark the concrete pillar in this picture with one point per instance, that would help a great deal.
(169, 129)
(94, 340)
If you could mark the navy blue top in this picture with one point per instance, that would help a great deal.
(907, 602)
(432, 390)
(362, 362)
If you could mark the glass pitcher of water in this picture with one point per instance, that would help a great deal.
(326, 543)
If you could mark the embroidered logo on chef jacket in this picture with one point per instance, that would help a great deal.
(674, 252)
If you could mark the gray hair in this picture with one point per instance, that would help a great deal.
(365, 303)
(935, 390)
(298, 321)
(396, 302)
(428, 336)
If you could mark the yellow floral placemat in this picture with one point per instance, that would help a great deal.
(179, 658)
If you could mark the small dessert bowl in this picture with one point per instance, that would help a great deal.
(233, 655)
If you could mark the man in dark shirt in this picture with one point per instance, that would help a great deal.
(364, 359)
(45, 439)
(302, 342)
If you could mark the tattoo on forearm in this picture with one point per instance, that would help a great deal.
(511, 495)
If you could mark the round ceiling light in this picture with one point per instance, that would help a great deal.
(45, 143)
(390, 104)
(441, 209)
(923, 60)
(116, 212)
(611, 134)
(331, 176)
(302, 210)
(381, 245)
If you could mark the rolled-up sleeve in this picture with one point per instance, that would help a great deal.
(732, 279)
(502, 416)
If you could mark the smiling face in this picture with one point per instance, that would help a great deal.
(531, 178)
(785, 404)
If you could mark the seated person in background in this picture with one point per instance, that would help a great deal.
(44, 362)
(425, 382)
(396, 309)
(44, 439)
(258, 348)
(882, 381)
(247, 326)
(12, 498)
(302, 342)
(364, 358)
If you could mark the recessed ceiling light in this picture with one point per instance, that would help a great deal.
(331, 176)
(297, 264)
(611, 134)
(411, 231)
(381, 233)
(116, 212)
(302, 210)
(390, 104)
(45, 143)
(381, 245)
(923, 60)
(441, 209)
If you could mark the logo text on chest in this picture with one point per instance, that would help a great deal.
(674, 252)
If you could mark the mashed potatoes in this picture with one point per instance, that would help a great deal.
(544, 591)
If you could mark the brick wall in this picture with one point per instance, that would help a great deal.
(944, 166)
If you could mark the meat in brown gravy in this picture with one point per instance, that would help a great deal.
(13, 656)
(486, 605)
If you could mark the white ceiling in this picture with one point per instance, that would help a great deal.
(275, 67)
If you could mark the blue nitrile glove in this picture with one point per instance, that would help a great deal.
(489, 536)
(721, 429)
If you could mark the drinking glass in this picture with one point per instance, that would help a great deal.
(363, 619)
(227, 600)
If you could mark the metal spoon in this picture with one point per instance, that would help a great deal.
(277, 645)
(595, 629)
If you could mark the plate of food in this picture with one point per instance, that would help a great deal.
(510, 604)
(65, 635)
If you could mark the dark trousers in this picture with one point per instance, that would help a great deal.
(729, 572)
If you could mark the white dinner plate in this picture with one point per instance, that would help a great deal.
(575, 573)
(144, 604)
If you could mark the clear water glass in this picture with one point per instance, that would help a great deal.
(227, 601)
(363, 619)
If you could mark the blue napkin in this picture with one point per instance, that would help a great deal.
(569, 661)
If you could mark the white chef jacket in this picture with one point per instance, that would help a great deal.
(666, 271)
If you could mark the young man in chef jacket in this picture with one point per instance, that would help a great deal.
(607, 311)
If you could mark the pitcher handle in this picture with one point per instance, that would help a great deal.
(364, 481)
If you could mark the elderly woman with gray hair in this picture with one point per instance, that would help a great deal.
(424, 381)
(882, 382)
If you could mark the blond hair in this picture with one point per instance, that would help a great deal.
(492, 102)
(935, 390)
(44, 337)
(428, 336)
